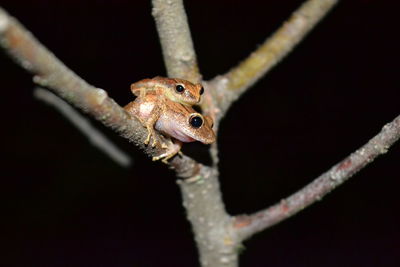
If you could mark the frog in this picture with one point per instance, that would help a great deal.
(177, 90)
(180, 122)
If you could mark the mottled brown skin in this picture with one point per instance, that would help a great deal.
(167, 87)
(156, 112)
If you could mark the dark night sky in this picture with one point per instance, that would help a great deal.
(65, 204)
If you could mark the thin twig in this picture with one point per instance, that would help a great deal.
(247, 225)
(176, 41)
(95, 137)
(234, 83)
(51, 73)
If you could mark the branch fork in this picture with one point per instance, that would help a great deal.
(218, 235)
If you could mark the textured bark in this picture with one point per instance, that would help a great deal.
(240, 78)
(218, 235)
(95, 137)
(176, 41)
(215, 236)
(51, 73)
(247, 225)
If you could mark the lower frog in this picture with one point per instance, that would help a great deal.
(171, 119)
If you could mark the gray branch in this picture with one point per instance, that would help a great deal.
(216, 239)
(95, 137)
(176, 41)
(247, 225)
(230, 86)
(202, 197)
(51, 73)
(218, 235)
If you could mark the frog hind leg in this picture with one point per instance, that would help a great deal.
(173, 148)
(150, 127)
(133, 108)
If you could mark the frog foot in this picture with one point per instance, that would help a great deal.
(149, 135)
(146, 142)
(172, 148)
(154, 143)
(156, 140)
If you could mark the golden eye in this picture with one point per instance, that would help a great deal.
(179, 88)
(196, 121)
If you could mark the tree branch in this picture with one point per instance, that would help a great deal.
(234, 83)
(215, 237)
(50, 72)
(95, 137)
(212, 226)
(247, 225)
(176, 41)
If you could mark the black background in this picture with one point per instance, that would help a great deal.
(63, 203)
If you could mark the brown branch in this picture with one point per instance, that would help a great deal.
(247, 225)
(176, 41)
(50, 72)
(234, 83)
(95, 137)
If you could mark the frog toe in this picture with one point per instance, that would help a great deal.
(154, 143)
(172, 150)
(146, 142)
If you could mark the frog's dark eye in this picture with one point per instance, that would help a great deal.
(196, 121)
(201, 90)
(179, 88)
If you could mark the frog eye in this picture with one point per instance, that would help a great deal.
(201, 90)
(196, 121)
(179, 88)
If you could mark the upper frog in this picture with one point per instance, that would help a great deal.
(174, 89)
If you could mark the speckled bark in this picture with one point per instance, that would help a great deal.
(247, 225)
(176, 41)
(51, 73)
(240, 78)
(215, 236)
(218, 235)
